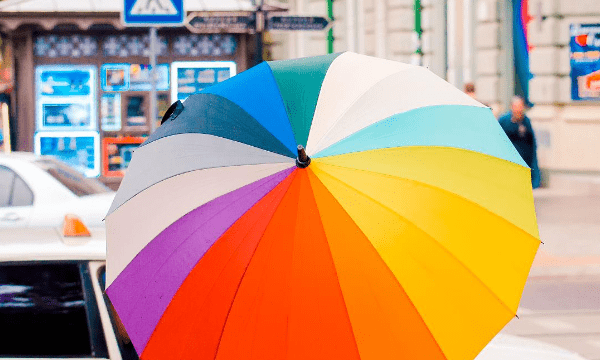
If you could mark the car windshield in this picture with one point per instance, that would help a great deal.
(49, 310)
(71, 178)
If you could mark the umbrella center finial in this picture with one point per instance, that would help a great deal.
(302, 160)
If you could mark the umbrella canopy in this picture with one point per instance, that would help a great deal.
(407, 232)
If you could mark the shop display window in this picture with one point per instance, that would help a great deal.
(110, 111)
(188, 78)
(117, 153)
(80, 149)
(66, 97)
(136, 111)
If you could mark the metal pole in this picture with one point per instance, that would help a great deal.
(507, 56)
(330, 32)
(153, 107)
(439, 63)
(260, 25)
(418, 54)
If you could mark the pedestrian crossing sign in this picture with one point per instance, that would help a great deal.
(153, 12)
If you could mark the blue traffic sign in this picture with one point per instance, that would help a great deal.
(153, 12)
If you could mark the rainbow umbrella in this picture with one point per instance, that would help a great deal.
(405, 230)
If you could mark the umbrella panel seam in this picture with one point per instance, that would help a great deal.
(434, 241)
(186, 239)
(341, 116)
(422, 183)
(384, 264)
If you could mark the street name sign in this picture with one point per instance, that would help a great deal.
(217, 22)
(153, 13)
(297, 23)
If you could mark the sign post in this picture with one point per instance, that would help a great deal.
(153, 75)
(153, 13)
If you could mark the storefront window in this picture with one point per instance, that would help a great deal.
(136, 111)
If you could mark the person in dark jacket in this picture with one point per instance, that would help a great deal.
(517, 127)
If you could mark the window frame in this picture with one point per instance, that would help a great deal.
(12, 188)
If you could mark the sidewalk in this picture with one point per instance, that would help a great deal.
(568, 214)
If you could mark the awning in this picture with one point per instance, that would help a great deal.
(68, 6)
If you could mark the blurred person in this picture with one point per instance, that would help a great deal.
(470, 90)
(517, 127)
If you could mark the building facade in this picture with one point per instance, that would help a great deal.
(83, 79)
(568, 130)
(382, 28)
(507, 48)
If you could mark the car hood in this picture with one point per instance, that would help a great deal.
(508, 347)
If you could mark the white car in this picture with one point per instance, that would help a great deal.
(39, 191)
(52, 301)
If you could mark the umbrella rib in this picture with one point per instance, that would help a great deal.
(434, 241)
(183, 242)
(193, 170)
(246, 269)
(501, 218)
(332, 260)
(241, 278)
(382, 262)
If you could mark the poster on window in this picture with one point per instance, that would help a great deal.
(79, 149)
(139, 75)
(115, 77)
(188, 78)
(585, 61)
(62, 116)
(133, 77)
(65, 98)
(110, 111)
(117, 153)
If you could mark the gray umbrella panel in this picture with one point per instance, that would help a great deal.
(177, 154)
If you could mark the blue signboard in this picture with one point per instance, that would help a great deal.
(134, 77)
(153, 12)
(585, 61)
(80, 149)
(188, 78)
(65, 97)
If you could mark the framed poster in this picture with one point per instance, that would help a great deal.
(585, 62)
(115, 77)
(135, 112)
(79, 149)
(66, 98)
(117, 153)
(65, 80)
(133, 77)
(110, 111)
(69, 115)
(190, 77)
(139, 75)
